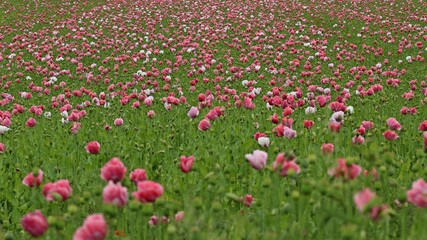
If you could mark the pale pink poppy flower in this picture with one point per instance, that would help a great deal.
(149, 101)
(35, 223)
(193, 113)
(33, 181)
(258, 159)
(118, 122)
(115, 194)
(179, 216)
(362, 198)
(148, 191)
(93, 147)
(289, 133)
(390, 135)
(138, 175)
(337, 118)
(94, 228)
(186, 163)
(417, 195)
(327, 148)
(393, 124)
(113, 170)
(60, 188)
(153, 220)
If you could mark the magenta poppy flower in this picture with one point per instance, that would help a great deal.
(93, 147)
(35, 223)
(186, 163)
(204, 125)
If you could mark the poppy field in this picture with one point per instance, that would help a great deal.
(213, 119)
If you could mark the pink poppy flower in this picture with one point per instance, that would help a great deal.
(148, 191)
(247, 200)
(334, 127)
(417, 194)
(94, 228)
(258, 159)
(193, 113)
(118, 122)
(113, 170)
(31, 122)
(33, 181)
(289, 165)
(151, 114)
(362, 198)
(93, 147)
(259, 134)
(345, 170)
(60, 188)
(425, 140)
(138, 175)
(179, 216)
(204, 125)
(390, 135)
(2, 148)
(115, 194)
(278, 130)
(286, 163)
(327, 148)
(359, 139)
(393, 124)
(367, 125)
(247, 103)
(35, 223)
(186, 163)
